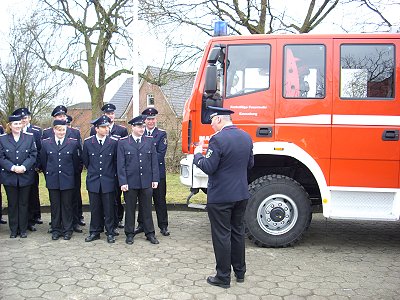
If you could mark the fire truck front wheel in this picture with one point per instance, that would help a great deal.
(278, 211)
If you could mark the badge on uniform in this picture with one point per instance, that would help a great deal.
(209, 152)
(165, 141)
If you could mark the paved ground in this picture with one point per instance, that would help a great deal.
(335, 260)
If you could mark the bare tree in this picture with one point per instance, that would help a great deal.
(26, 81)
(90, 40)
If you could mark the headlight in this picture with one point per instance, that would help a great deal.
(185, 171)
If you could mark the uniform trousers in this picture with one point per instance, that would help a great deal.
(143, 197)
(1, 203)
(228, 237)
(118, 207)
(102, 212)
(160, 205)
(61, 210)
(18, 207)
(34, 202)
(77, 200)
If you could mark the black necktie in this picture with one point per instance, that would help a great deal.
(137, 141)
(101, 142)
(59, 143)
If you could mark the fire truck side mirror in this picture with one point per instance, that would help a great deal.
(214, 55)
(210, 86)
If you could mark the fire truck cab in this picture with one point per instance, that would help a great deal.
(324, 115)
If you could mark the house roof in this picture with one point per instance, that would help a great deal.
(122, 97)
(81, 105)
(175, 85)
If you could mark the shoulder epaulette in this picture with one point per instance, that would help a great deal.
(28, 133)
(48, 128)
(89, 137)
(71, 138)
(114, 138)
(125, 137)
(161, 129)
(76, 128)
(46, 139)
(34, 128)
(3, 134)
(121, 125)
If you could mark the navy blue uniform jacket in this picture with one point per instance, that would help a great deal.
(37, 134)
(229, 156)
(159, 137)
(137, 164)
(117, 131)
(59, 165)
(23, 153)
(101, 164)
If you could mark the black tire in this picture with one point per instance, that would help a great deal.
(278, 211)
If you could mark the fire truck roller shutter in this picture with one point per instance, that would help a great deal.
(278, 211)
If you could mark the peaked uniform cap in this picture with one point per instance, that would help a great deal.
(59, 122)
(150, 112)
(58, 110)
(14, 118)
(101, 121)
(22, 111)
(219, 111)
(69, 119)
(109, 107)
(139, 120)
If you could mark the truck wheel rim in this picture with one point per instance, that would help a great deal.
(277, 214)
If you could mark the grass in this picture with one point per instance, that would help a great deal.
(176, 192)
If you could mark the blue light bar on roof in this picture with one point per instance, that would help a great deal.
(220, 28)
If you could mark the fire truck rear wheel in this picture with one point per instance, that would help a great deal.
(278, 211)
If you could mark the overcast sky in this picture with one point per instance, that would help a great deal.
(150, 49)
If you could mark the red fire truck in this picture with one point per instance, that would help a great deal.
(324, 115)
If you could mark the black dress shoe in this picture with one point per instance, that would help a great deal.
(82, 222)
(2, 221)
(129, 239)
(120, 224)
(152, 239)
(115, 232)
(110, 239)
(31, 228)
(38, 221)
(67, 236)
(13, 235)
(139, 229)
(77, 229)
(55, 236)
(239, 278)
(218, 282)
(92, 237)
(23, 235)
(164, 232)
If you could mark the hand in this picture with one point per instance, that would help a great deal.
(124, 188)
(198, 149)
(154, 185)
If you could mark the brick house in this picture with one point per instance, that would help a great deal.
(167, 91)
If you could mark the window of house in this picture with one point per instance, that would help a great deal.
(367, 71)
(304, 71)
(150, 99)
(248, 69)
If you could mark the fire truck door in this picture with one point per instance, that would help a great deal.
(366, 113)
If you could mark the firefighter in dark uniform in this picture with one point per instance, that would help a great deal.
(116, 131)
(137, 168)
(100, 158)
(17, 160)
(59, 158)
(2, 221)
(159, 137)
(229, 156)
(34, 201)
(60, 113)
